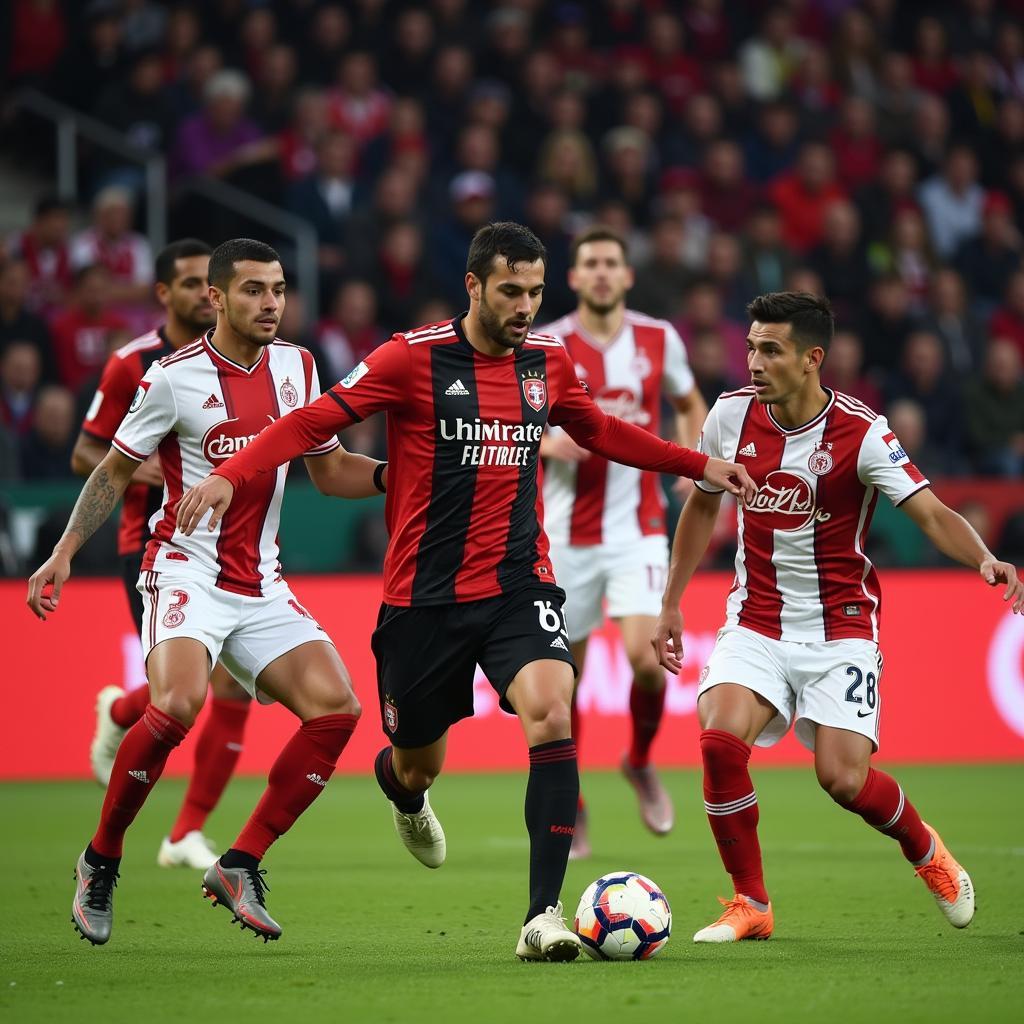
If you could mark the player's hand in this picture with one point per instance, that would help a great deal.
(214, 493)
(559, 445)
(149, 473)
(668, 639)
(994, 572)
(731, 477)
(52, 574)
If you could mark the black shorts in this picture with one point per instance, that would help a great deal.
(427, 656)
(131, 566)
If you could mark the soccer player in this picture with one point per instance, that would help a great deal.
(800, 641)
(467, 576)
(606, 522)
(218, 595)
(183, 290)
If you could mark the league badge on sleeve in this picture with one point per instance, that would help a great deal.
(896, 452)
(140, 396)
(355, 374)
(535, 390)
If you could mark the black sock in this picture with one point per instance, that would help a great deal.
(97, 860)
(404, 799)
(551, 795)
(238, 859)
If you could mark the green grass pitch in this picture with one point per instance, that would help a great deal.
(370, 935)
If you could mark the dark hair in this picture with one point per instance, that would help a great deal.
(235, 250)
(179, 250)
(48, 204)
(517, 243)
(597, 233)
(810, 317)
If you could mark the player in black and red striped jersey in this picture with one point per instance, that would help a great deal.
(467, 576)
(183, 290)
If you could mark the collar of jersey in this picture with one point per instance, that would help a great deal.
(460, 333)
(803, 426)
(222, 360)
(580, 330)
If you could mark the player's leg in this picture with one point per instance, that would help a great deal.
(404, 774)
(580, 848)
(218, 748)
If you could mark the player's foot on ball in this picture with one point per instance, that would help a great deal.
(580, 848)
(741, 920)
(193, 850)
(108, 735)
(241, 891)
(422, 834)
(656, 808)
(548, 937)
(949, 884)
(92, 912)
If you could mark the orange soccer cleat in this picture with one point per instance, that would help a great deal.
(741, 920)
(949, 884)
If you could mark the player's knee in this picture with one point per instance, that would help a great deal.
(336, 698)
(550, 724)
(415, 778)
(649, 675)
(182, 705)
(842, 784)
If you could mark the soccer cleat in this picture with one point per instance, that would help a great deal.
(92, 912)
(656, 808)
(548, 937)
(241, 891)
(422, 834)
(741, 920)
(949, 884)
(580, 848)
(193, 850)
(108, 735)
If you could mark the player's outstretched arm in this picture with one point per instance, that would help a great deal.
(957, 539)
(693, 531)
(344, 474)
(101, 493)
(89, 452)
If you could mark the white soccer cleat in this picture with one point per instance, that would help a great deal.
(193, 850)
(422, 834)
(108, 735)
(548, 937)
(948, 883)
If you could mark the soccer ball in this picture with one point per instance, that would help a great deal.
(623, 916)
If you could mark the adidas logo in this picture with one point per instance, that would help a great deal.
(213, 402)
(316, 779)
(140, 775)
(559, 643)
(749, 450)
(458, 388)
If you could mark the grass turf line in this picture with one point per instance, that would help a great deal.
(370, 935)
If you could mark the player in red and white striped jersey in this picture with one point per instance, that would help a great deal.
(801, 636)
(183, 290)
(219, 594)
(606, 521)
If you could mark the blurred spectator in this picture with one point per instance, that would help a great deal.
(330, 31)
(930, 134)
(766, 261)
(627, 178)
(547, 215)
(952, 201)
(675, 74)
(841, 259)
(815, 91)
(679, 197)
(973, 101)
(804, 279)
(951, 318)
(403, 279)
(188, 89)
(407, 64)
(452, 77)
(394, 200)
(351, 331)
(987, 261)
(80, 332)
(276, 81)
(478, 150)
(857, 55)
(472, 203)
(1000, 149)
(893, 190)
(1008, 319)
(358, 105)
(701, 125)
(908, 422)
(406, 136)
(112, 243)
(181, 40)
(38, 36)
(855, 143)
(16, 322)
(994, 412)
(933, 70)
(21, 370)
(770, 58)
(706, 353)
(897, 98)
(663, 276)
(702, 311)
(566, 160)
(299, 141)
(46, 447)
(774, 145)
(256, 34)
(908, 254)
(804, 195)
(727, 199)
(1009, 59)
(143, 23)
(844, 370)
(43, 246)
(93, 61)
(887, 323)
(724, 269)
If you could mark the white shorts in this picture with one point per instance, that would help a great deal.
(833, 683)
(631, 576)
(244, 633)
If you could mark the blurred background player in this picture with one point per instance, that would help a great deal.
(605, 521)
(800, 641)
(183, 291)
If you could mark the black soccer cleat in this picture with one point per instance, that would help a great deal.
(92, 911)
(241, 891)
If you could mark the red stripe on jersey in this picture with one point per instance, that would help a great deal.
(307, 371)
(252, 401)
(585, 526)
(650, 340)
(170, 462)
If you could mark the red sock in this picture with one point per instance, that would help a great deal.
(574, 725)
(139, 763)
(127, 710)
(881, 804)
(731, 803)
(218, 748)
(297, 778)
(646, 708)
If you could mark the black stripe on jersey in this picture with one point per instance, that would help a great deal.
(523, 526)
(348, 408)
(452, 485)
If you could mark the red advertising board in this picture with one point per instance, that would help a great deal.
(953, 688)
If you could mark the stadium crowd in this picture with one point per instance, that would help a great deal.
(872, 152)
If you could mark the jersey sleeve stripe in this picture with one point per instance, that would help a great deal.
(917, 490)
(348, 408)
(321, 450)
(125, 450)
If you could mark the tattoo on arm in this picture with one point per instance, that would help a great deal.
(97, 500)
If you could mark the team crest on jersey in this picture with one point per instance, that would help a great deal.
(390, 715)
(288, 393)
(535, 390)
(174, 616)
(820, 460)
(640, 366)
(140, 395)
